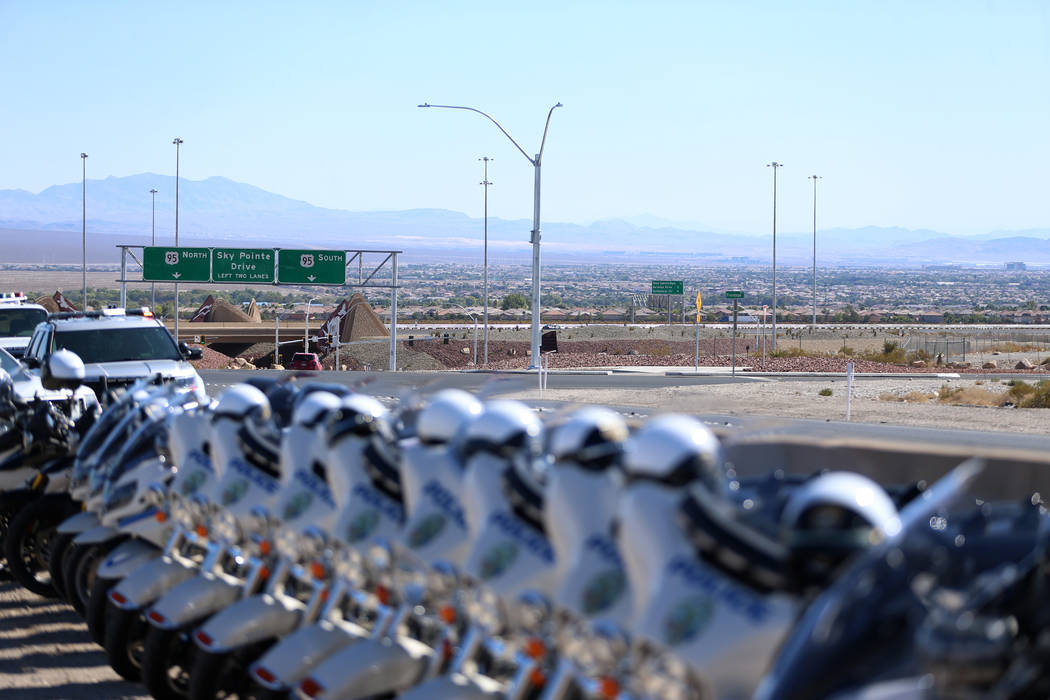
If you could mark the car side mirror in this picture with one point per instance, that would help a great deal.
(190, 353)
(62, 369)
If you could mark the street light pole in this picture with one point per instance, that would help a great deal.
(83, 235)
(306, 328)
(177, 142)
(774, 165)
(486, 184)
(153, 285)
(536, 163)
(814, 178)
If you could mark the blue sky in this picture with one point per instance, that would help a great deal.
(923, 115)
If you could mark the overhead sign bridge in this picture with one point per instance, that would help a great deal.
(276, 266)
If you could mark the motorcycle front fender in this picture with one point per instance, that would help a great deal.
(191, 600)
(452, 687)
(127, 557)
(96, 535)
(81, 522)
(373, 667)
(149, 582)
(294, 657)
(249, 620)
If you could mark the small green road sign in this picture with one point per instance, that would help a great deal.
(242, 265)
(734, 295)
(311, 266)
(164, 264)
(668, 287)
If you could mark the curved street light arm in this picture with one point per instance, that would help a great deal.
(498, 126)
(539, 156)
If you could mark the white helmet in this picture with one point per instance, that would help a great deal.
(677, 450)
(505, 428)
(242, 401)
(445, 415)
(592, 438)
(312, 408)
(835, 514)
(361, 415)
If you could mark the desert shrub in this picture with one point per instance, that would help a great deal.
(825, 392)
(1020, 391)
(1039, 398)
(969, 396)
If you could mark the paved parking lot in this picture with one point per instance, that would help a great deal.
(46, 653)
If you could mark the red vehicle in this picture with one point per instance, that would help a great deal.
(305, 360)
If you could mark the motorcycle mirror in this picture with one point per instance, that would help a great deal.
(62, 369)
(190, 353)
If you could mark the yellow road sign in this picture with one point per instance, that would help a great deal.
(699, 303)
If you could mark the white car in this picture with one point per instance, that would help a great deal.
(17, 321)
(117, 346)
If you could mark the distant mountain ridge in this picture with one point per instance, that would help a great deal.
(219, 209)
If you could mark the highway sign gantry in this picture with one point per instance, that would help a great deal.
(311, 266)
(676, 287)
(242, 265)
(171, 264)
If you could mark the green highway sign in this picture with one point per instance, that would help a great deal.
(668, 287)
(242, 265)
(311, 266)
(734, 295)
(171, 264)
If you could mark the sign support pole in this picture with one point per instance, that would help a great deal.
(697, 368)
(393, 314)
(736, 305)
(123, 278)
(277, 339)
(338, 365)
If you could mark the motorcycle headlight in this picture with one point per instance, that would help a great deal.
(348, 564)
(442, 579)
(155, 495)
(664, 676)
(181, 511)
(226, 527)
(530, 611)
(313, 544)
(486, 609)
(119, 497)
(257, 522)
(598, 649)
(380, 557)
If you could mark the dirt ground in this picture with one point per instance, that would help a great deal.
(802, 399)
(46, 653)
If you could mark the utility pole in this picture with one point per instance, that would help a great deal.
(83, 237)
(153, 239)
(775, 165)
(814, 178)
(177, 143)
(485, 183)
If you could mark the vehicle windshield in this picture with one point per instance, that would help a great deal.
(118, 344)
(8, 363)
(19, 322)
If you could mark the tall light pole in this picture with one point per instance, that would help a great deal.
(177, 142)
(485, 314)
(774, 165)
(153, 239)
(306, 328)
(536, 162)
(814, 178)
(83, 235)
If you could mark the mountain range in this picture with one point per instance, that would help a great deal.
(217, 211)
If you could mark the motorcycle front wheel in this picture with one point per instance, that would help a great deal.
(28, 544)
(95, 612)
(59, 546)
(167, 660)
(225, 675)
(125, 637)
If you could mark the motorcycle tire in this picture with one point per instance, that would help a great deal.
(28, 542)
(167, 660)
(95, 612)
(59, 546)
(224, 675)
(78, 570)
(125, 637)
(257, 692)
(11, 503)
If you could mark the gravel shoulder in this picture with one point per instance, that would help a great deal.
(801, 399)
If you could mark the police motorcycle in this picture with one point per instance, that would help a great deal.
(245, 442)
(305, 509)
(714, 595)
(509, 573)
(431, 549)
(987, 639)
(129, 533)
(361, 464)
(857, 639)
(51, 430)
